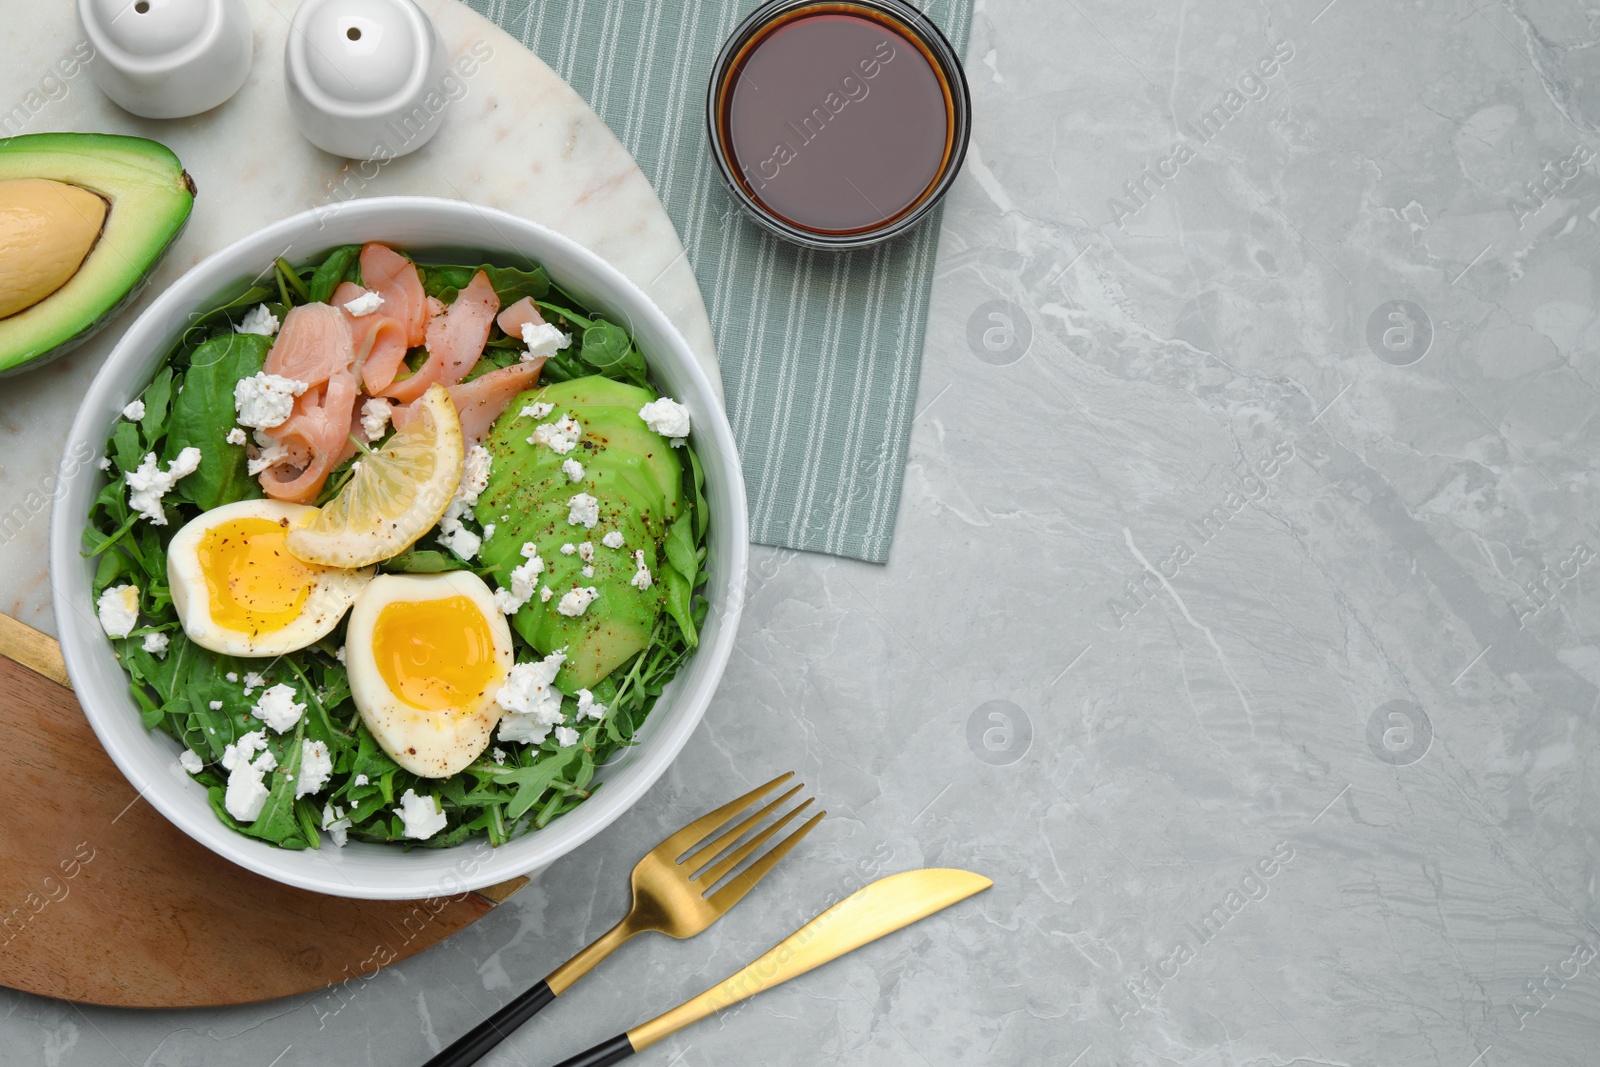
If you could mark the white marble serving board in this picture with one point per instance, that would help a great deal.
(516, 137)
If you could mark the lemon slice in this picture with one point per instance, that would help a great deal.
(395, 495)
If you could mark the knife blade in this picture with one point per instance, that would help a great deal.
(867, 914)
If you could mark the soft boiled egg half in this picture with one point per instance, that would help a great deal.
(426, 656)
(239, 592)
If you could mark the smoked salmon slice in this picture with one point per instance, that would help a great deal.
(517, 315)
(395, 278)
(380, 341)
(314, 346)
(400, 323)
(455, 340)
(480, 401)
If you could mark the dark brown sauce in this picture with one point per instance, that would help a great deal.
(836, 119)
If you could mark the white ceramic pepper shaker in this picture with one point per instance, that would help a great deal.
(167, 59)
(365, 77)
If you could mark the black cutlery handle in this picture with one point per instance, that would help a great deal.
(475, 1043)
(604, 1054)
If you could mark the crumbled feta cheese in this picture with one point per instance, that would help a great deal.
(572, 469)
(666, 417)
(316, 767)
(561, 436)
(530, 699)
(583, 510)
(364, 305)
(214, 705)
(118, 608)
(265, 400)
(421, 816)
(474, 480)
(105, 463)
(252, 681)
(586, 551)
(488, 530)
(641, 577)
(339, 654)
(566, 736)
(499, 755)
(588, 570)
(134, 411)
(375, 414)
(148, 484)
(458, 539)
(156, 644)
(536, 411)
(543, 340)
(360, 780)
(190, 762)
(545, 593)
(576, 601)
(336, 823)
(587, 707)
(246, 791)
(232, 676)
(474, 474)
(277, 708)
(236, 436)
(270, 456)
(258, 320)
(510, 601)
(612, 539)
(569, 549)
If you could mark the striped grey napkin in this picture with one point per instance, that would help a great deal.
(820, 351)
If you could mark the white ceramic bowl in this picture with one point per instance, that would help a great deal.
(427, 227)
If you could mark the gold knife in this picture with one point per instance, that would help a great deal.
(866, 915)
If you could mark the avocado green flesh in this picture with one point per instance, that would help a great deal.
(638, 480)
(150, 197)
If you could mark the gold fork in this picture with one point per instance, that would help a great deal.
(672, 895)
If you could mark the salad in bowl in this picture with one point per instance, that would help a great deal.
(401, 550)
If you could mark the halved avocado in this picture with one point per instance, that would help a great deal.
(64, 272)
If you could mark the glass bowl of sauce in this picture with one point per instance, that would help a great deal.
(838, 124)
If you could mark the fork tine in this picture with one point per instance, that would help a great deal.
(703, 827)
(734, 891)
(712, 851)
(716, 874)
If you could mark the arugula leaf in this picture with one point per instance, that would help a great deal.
(156, 397)
(326, 278)
(510, 284)
(680, 546)
(203, 414)
(277, 822)
(702, 515)
(125, 449)
(426, 561)
(532, 782)
(679, 593)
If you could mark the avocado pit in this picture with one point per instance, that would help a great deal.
(47, 229)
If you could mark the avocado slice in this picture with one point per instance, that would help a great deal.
(64, 273)
(637, 478)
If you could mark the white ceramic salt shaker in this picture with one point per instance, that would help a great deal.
(365, 77)
(167, 59)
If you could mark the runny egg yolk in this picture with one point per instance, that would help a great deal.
(435, 654)
(254, 584)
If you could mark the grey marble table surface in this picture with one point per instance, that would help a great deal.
(1240, 621)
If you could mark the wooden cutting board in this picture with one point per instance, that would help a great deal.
(103, 901)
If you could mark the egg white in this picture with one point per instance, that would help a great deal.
(431, 743)
(330, 594)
